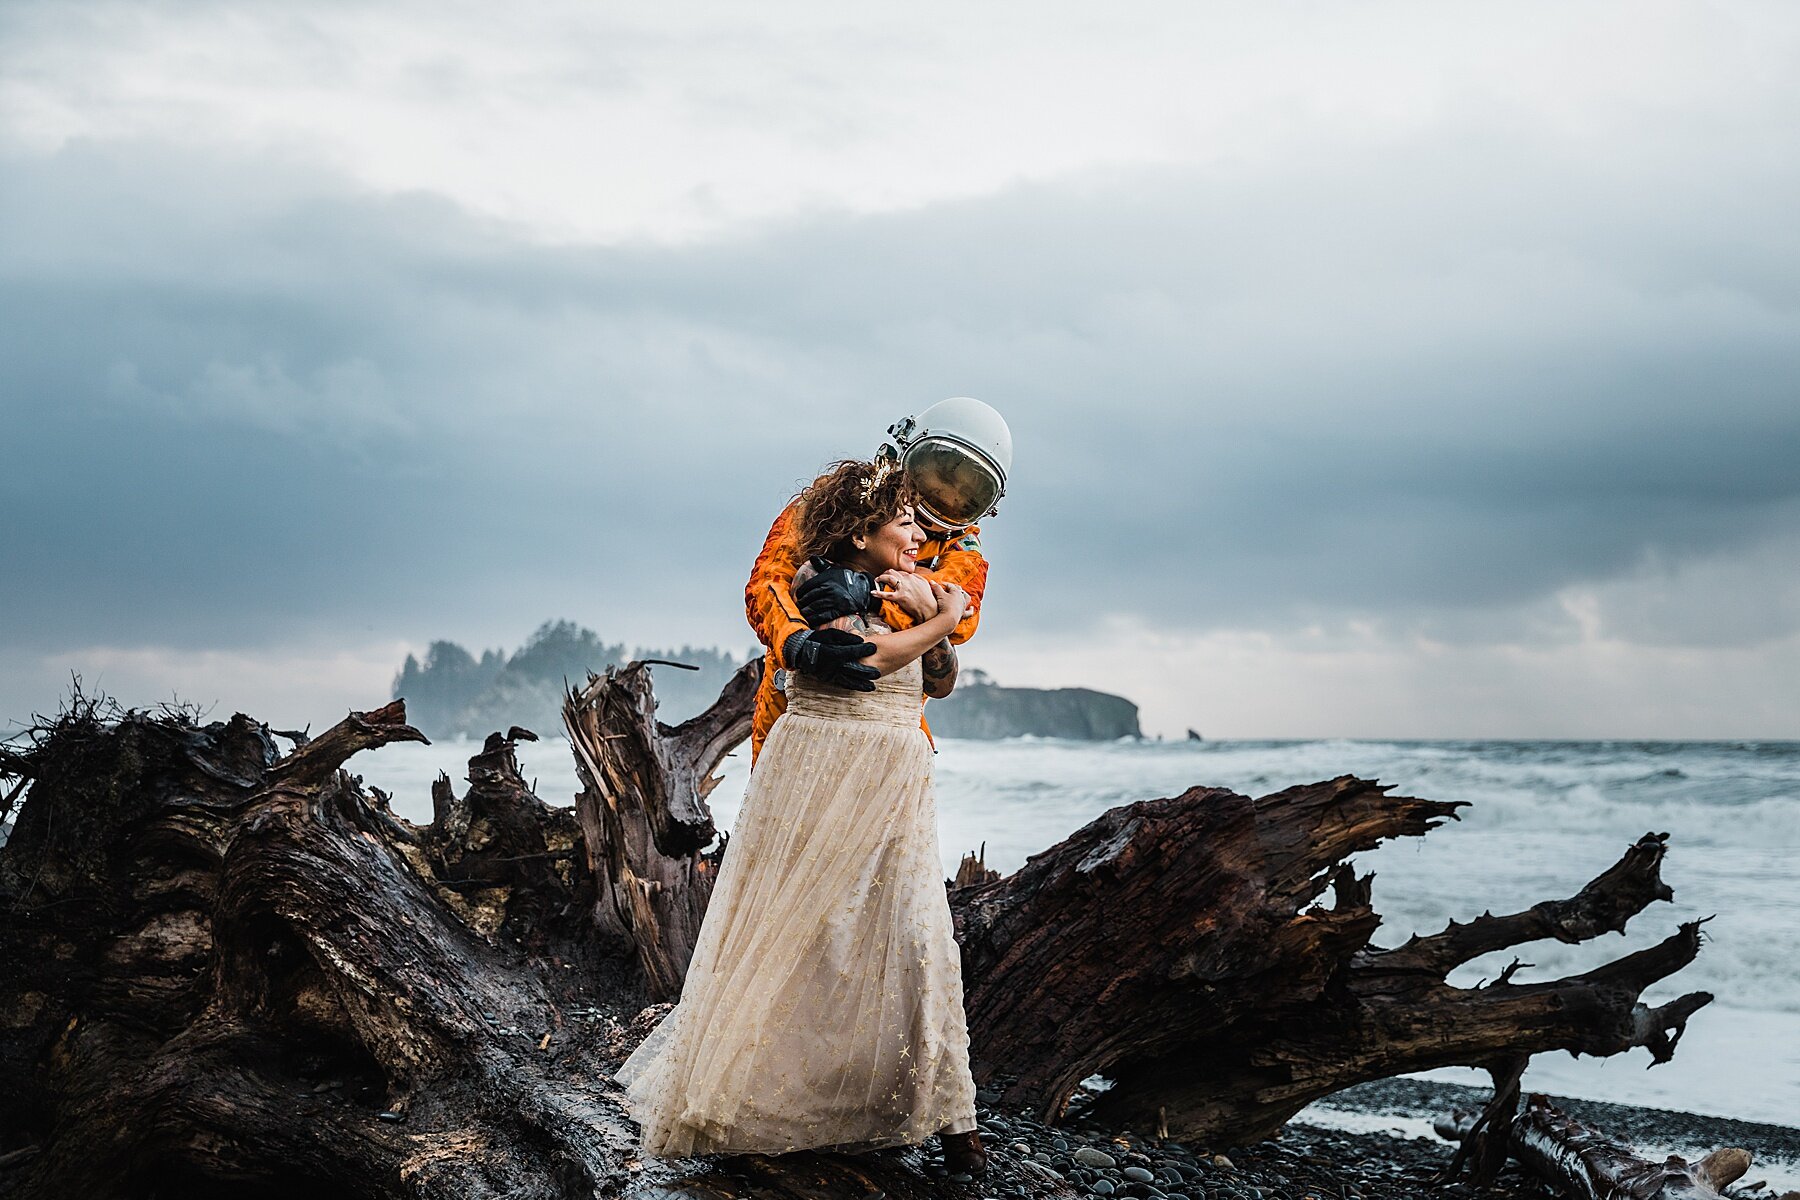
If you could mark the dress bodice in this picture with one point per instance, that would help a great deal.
(896, 699)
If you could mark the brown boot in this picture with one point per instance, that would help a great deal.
(963, 1154)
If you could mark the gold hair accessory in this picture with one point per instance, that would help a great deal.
(882, 468)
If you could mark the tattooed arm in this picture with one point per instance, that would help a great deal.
(939, 665)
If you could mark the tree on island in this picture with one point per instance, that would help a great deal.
(452, 693)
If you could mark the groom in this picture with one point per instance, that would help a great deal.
(956, 454)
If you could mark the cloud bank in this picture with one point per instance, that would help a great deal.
(1478, 418)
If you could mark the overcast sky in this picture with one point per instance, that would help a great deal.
(1375, 370)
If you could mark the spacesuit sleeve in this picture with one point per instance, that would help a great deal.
(768, 596)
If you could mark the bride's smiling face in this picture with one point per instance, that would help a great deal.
(894, 546)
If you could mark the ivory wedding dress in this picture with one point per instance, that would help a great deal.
(823, 1005)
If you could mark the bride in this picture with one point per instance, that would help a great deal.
(823, 1004)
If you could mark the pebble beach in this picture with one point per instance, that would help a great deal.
(1322, 1155)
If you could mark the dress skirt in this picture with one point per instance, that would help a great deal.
(823, 1005)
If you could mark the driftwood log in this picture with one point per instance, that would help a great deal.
(226, 970)
(1179, 948)
(222, 966)
(1578, 1160)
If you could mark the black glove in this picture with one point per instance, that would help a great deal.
(829, 655)
(834, 592)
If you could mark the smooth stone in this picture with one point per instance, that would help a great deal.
(1137, 1175)
(1020, 1148)
(1101, 1187)
(1087, 1156)
(962, 1177)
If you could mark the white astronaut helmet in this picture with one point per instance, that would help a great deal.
(957, 453)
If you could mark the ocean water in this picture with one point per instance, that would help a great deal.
(1544, 818)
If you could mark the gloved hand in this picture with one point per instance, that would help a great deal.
(832, 593)
(829, 655)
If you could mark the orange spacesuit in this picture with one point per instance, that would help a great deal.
(769, 602)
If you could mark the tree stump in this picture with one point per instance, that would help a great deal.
(643, 810)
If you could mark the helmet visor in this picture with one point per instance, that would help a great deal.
(955, 486)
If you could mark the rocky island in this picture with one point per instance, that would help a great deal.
(453, 693)
(981, 708)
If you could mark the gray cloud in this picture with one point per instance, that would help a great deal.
(1429, 386)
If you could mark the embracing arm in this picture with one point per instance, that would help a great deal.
(897, 649)
(768, 596)
(964, 565)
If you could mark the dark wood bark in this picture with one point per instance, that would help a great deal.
(225, 966)
(1181, 948)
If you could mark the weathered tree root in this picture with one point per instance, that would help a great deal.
(643, 810)
(227, 967)
(1174, 947)
(223, 971)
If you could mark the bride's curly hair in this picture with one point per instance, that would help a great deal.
(851, 498)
